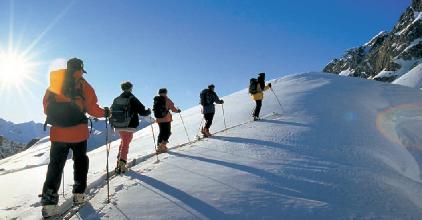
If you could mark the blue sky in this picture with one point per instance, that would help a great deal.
(182, 45)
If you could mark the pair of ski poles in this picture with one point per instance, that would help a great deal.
(153, 133)
(224, 119)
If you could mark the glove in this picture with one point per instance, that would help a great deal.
(222, 101)
(107, 112)
(269, 85)
(179, 110)
(148, 113)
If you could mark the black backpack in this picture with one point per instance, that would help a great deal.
(160, 107)
(253, 86)
(64, 114)
(120, 112)
(206, 97)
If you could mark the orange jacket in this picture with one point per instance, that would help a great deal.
(169, 117)
(88, 104)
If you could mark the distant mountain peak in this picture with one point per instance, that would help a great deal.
(388, 55)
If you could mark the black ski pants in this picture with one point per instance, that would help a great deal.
(257, 108)
(208, 119)
(58, 156)
(165, 132)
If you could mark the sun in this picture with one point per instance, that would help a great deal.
(15, 69)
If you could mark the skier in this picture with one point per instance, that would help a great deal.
(66, 102)
(162, 107)
(207, 99)
(125, 120)
(256, 89)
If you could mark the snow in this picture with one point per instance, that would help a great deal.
(406, 66)
(418, 16)
(328, 153)
(411, 79)
(347, 72)
(371, 43)
(22, 132)
(414, 43)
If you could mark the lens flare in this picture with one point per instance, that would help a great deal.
(402, 125)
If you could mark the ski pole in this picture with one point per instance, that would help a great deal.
(278, 100)
(63, 182)
(153, 137)
(108, 153)
(187, 134)
(224, 116)
(200, 127)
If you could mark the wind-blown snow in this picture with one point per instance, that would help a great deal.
(328, 153)
(411, 79)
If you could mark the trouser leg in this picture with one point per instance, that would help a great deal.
(168, 132)
(208, 119)
(161, 133)
(58, 157)
(257, 108)
(80, 166)
(126, 138)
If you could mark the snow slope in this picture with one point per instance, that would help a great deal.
(327, 154)
(411, 79)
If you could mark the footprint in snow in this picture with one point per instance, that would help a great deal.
(118, 188)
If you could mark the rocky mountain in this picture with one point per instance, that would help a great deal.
(19, 137)
(389, 55)
(8, 147)
(22, 132)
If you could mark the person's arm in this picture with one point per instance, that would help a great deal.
(170, 105)
(217, 99)
(139, 107)
(267, 87)
(91, 102)
(45, 100)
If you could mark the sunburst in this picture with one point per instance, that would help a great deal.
(19, 66)
(16, 70)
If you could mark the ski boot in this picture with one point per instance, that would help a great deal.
(162, 148)
(78, 198)
(49, 201)
(256, 118)
(121, 167)
(207, 130)
(204, 133)
(49, 211)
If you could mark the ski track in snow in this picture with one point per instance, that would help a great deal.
(339, 148)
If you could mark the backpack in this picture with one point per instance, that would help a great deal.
(160, 107)
(253, 86)
(61, 110)
(206, 97)
(121, 112)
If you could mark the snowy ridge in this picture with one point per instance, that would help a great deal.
(22, 132)
(326, 154)
(411, 79)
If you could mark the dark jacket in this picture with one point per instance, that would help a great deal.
(136, 109)
(212, 98)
